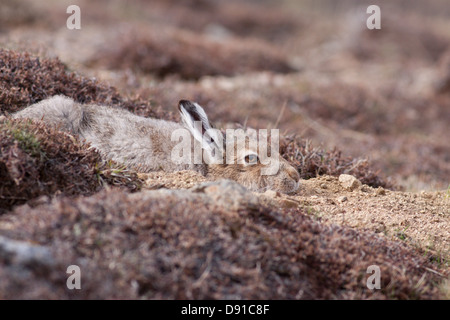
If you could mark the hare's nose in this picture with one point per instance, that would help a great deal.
(293, 173)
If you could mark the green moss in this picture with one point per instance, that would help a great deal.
(27, 140)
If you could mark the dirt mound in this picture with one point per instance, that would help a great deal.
(418, 219)
(36, 160)
(216, 241)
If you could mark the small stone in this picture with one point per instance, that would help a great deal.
(342, 199)
(288, 203)
(380, 191)
(349, 182)
(324, 186)
(425, 195)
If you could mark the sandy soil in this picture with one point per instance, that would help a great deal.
(421, 219)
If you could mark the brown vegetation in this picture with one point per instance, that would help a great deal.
(26, 79)
(163, 52)
(311, 162)
(36, 160)
(187, 245)
(373, 104)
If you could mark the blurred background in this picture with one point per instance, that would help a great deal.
(310, 68)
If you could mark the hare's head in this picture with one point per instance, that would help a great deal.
(244, 156)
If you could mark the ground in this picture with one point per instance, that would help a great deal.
(417, 218)
(364, 117)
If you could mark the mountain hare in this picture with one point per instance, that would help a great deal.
(148, 144)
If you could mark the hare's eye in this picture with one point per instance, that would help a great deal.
(251, 159)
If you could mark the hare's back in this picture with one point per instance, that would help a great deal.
(59, 111)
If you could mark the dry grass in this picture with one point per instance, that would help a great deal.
(36, 161)
(26, 79)
(186, 245)
(311, 162)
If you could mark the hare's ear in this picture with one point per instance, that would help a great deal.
(196, 121)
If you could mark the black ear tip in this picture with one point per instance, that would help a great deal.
(186, 104)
